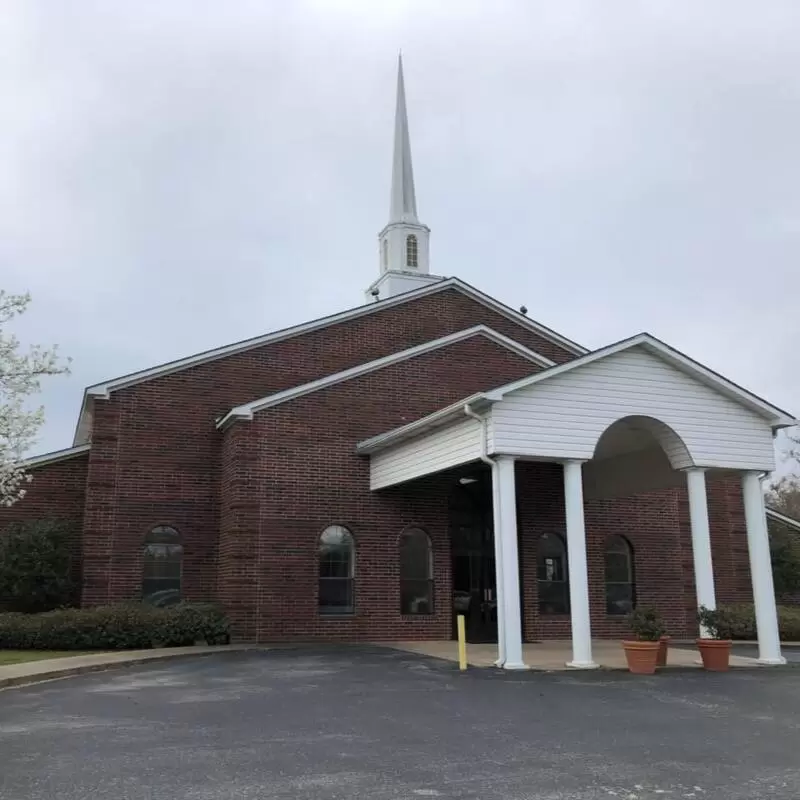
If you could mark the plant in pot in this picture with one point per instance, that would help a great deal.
(715, 643)
(648, 627)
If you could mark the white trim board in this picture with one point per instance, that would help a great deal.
(247, 410)
(104, 389)
(56, 455)
(775, 416)
(790, 522)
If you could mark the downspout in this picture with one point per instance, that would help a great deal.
(485, 434)
(498, 541)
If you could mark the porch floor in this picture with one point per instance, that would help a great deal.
(554, 654)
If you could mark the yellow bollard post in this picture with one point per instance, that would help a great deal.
(462, 642)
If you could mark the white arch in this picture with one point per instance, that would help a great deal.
(670, 442)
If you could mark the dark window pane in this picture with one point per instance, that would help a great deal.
(551, 568)
(416, 597)
(416, 573)
(161, 566)
(333, 565)
(160, 592)
(336, 595)
(620, 592)
(336, 567)
(415, 555)
(553, 597)
(618, 568)
(552, 573)
(619, 598)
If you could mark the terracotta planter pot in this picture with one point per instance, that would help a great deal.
(716, 654)
(641, 656)
(663, 647)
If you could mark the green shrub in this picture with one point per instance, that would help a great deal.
(646, 623)
(35, 565)
(123, 626)
(738, 621)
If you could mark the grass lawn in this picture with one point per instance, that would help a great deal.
(18, 656)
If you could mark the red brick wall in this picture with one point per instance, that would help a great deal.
(657, 526)
(293, 471)
(251, 504)
(57, 491)
(156, 453)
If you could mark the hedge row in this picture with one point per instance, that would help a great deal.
(125, 626)
(739, 622)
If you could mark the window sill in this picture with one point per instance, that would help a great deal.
(341, 615)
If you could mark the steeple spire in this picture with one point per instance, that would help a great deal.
(403, 206)
(403, 245)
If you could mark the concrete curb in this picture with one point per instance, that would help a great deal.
(29, 672)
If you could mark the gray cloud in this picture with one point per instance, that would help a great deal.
(176, 176)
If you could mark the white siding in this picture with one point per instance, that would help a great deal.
(564, 416)
(446, 447)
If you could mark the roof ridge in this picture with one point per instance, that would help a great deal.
(104, 388)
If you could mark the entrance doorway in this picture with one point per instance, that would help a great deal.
(472, 548)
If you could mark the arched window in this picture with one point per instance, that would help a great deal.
(620, 584)
(161, 572)
(416, 572)
(385, 253)
(412, 259)
(552, 574)
(336, 569)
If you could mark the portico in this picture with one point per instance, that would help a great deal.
(633, 416)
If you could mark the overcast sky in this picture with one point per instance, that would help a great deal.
(175, 176)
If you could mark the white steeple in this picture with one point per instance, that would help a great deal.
(403, 205)
(403, 244)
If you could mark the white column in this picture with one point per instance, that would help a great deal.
(701, 540)
(498, 569)
(769, 645)
(512, 627)
(578, 571)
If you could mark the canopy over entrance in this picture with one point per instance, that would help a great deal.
(633, 400)
(570, 411)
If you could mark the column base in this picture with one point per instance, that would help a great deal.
(772, 662)
(515, 665)
(583, 665)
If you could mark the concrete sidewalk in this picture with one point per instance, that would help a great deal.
(553, 655)
(47, 669)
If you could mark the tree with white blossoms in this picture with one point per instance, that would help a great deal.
(20, 373)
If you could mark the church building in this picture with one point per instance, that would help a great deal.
(429, 452)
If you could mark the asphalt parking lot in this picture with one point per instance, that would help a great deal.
(364, 722)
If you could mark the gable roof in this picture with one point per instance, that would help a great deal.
(247, 410)
(104, 389)
(778, 418)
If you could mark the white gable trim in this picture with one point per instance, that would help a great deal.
(247, 410)
(56, 455)
(790, 522)
(477, 402)
(103, 390)
(775, 416)
(778, 417)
